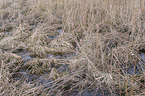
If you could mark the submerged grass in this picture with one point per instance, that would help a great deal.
(107, 37)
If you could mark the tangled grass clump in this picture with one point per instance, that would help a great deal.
(72, 47)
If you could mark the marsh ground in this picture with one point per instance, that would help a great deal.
(72, 47)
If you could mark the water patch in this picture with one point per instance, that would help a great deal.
(25, 76)
(56, 34)
(142, 55)
(44, 79)
(62, 56)
(23, 72)
(5, 34)
(95, 92)
(63, 68)
(59, 18)
(61, 63)
(132, 70)
(26, 56)
(136, 68)
(8, 33)
(60, 32)
(142, 62)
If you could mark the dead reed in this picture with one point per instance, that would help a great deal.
(106, 35)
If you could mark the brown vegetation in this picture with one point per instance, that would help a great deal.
(69, 47)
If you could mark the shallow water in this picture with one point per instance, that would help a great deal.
(8, 33)
(26, 55)
(97, 92)
(139, 66)
(62, 56)
(43, 79)
(142, 55)
(59, 33)
(24, 73)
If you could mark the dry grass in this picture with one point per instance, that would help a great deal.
(106, 37)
